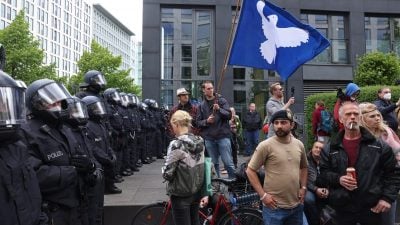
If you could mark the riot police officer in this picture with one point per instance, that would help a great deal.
(20, 197)
(99, 134)
(60, 164)
(93, 83)
(91, 204)
(117, 128)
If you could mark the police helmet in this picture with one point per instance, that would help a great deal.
(12, 103)
(95, 107)
(47, 99)
(77, 112)
(151, 103)
(124, 99)
(112, 96)
(95, 80)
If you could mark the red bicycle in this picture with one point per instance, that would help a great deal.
(224, 213)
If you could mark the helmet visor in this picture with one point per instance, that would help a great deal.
(77, 110)
(12, 106)
(115, 96)
(99, 79)
(52, 93)
(97, 108)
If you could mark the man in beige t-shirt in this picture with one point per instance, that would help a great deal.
(285, 163)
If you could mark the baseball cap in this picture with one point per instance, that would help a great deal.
(182, 91)
(282, 115)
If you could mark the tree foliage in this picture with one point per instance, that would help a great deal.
(101, 59)
(377, 68)
(24, 57)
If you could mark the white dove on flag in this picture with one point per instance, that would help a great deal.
(278, 37)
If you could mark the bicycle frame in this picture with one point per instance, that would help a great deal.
(222, 201)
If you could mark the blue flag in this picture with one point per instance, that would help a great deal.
(268, 37)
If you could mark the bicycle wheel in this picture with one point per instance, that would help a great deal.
(242, 216)
(153, 215)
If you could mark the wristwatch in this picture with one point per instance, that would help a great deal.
(304, 187)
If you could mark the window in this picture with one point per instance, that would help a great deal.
(186, 72)
(382, 34)
(186, 31)
(186, 53)
(334, 28)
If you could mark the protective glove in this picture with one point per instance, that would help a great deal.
(95, 177)
(83, 163)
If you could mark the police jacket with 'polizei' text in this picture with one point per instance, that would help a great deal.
(51, 148)
(377, 175)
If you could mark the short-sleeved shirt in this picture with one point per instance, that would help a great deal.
(282, 163)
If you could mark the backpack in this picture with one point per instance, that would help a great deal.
(327, 122)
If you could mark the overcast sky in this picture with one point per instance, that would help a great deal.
(128, 12)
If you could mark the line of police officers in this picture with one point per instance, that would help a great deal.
(60, 154)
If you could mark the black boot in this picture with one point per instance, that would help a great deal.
(112, 189)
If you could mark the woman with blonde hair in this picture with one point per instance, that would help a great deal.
(372, 120)
(184, 170)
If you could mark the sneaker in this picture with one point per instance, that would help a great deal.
(224, 172)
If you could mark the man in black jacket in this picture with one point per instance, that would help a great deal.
(213, 120)
(360, 197)
(252, 123)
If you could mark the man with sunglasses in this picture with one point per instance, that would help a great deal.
(276, 103)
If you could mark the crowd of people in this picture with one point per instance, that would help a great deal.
(60, 154)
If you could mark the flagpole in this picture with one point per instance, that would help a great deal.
(228, 48)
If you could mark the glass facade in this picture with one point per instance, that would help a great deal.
(334, 28)
(382, 34)
(187, 51)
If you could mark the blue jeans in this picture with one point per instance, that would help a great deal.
(281, 216)
(221, 147)
(251, 141)
(311, 208)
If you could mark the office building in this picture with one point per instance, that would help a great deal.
(185, 43)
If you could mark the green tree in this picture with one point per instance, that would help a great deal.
(101, 59)
(24, 57)
(377, 68)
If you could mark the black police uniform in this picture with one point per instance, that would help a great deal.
(20, 198)
(52, 147)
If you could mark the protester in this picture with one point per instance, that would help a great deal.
(359, 171)
(252, 123)
(351, 94)
(387, 108)
(319, 134)
(213, 120)
(285, 163)
(372, 120)
(315, 196)
(275, 103)
(184, 170)
(20, 197)
(186, 105)
(236, 131)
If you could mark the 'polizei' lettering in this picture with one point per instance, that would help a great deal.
(55, 155)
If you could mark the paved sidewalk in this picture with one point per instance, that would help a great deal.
(144, 187)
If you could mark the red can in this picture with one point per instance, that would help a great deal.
(351, 171)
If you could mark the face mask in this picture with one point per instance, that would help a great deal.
(387, 96)
(55, 109)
